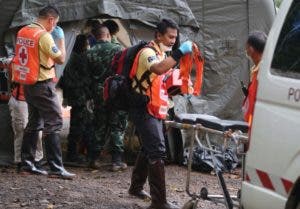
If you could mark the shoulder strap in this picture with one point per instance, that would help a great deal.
(146, 74)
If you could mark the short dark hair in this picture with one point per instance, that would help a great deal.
(97, 32)
(93, 23)
(164, 24)
(49, 11)
(257, 40)
(112, 26)
(80, 44)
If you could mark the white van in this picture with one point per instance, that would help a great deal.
(272, 177)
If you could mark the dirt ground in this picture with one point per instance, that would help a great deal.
(101, 189)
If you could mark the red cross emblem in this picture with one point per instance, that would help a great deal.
(23, 55)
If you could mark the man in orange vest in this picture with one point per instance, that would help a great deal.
(148, 118)
(254, 49)
(36, 54)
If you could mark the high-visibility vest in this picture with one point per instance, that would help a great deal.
(26, 63)
(186, 64)
(158, 98)
(156, 91)
(249, 102)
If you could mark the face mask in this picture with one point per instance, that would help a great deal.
(165, 48)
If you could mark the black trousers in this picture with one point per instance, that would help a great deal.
(150, 130)
(43, 108)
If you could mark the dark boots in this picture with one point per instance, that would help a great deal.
(139, 177)
(28, 154)
(93, 155)
(158, 186)
(117, 162)
(54, 157)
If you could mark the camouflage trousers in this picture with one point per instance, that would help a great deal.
(109, 130)
(81, 126)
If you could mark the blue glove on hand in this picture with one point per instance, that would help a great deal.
(186, 47)
(58, 33)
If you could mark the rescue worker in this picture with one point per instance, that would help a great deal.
(109, 125)
(19, 118)
(148, 118)
(36, 51)
(75, 84)
(254, 50)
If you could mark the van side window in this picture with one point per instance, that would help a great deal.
(286, 59)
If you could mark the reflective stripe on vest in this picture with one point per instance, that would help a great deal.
(26, 63)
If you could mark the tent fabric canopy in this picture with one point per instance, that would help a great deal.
(143, 10)
(221, 31)
(220, 28)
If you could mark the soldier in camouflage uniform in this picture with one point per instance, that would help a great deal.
(75, 84)
(109, 126)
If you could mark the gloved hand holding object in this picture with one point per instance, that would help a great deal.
(58, 33)
(185, 48)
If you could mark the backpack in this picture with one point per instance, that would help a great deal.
(117, 91)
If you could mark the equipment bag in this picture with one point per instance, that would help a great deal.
(117, 91)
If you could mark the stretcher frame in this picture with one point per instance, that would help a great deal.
(237, 136)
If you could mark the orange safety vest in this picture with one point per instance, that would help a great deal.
(157, 91)
(173, 82)
(26, 63)
(249, 102)
(158, 98)
(186, 65)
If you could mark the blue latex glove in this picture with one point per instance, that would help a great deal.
(58, 33)
(186, 47)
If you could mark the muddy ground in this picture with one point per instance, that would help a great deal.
(100, 189)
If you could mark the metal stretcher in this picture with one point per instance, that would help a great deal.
(235, 131)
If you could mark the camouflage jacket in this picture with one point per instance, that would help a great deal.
(75, 81)
(99, 59)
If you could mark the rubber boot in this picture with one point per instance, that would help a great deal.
(54, 157)
(139, 177)
(117, 163)
(28, 151)
(158, 186)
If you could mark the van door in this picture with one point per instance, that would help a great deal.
(273, 159)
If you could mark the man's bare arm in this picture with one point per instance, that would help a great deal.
(169, 62)
(61, 46)
(163, 66)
